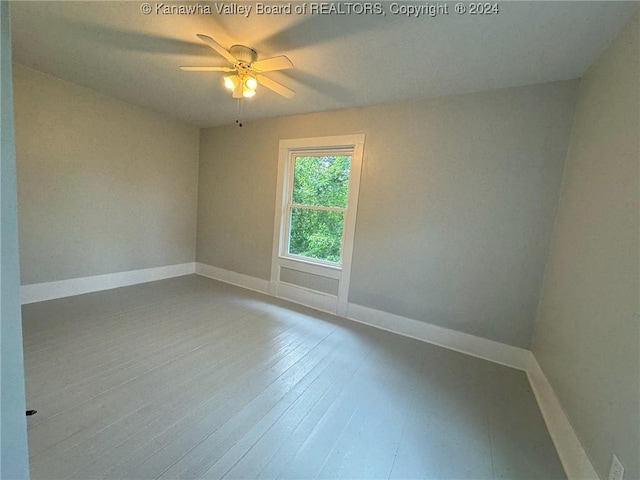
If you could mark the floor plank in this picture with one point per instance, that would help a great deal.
(192, 378)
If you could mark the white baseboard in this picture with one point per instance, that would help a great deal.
(463, 342)
(233, 278)
(572, 455)
(39, 292)
(452, 339)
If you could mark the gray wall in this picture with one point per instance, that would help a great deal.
(588, 333)
(14, 460)
(102, 186)
(457, 202)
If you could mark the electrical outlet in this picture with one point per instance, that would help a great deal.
(617, 470)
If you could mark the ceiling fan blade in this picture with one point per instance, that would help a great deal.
(275, 86)
(217, 47)
(207, 69)
(269, 64)
(237, 92)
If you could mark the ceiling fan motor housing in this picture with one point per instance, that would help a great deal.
(244, 54)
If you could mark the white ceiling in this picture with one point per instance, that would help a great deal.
(340, 60)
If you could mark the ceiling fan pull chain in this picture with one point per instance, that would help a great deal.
(239, 111)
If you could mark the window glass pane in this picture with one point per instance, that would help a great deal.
(316, 234)
(321, 180)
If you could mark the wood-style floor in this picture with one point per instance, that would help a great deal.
(192, 378)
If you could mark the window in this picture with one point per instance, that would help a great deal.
(317, 203)
(318, 182)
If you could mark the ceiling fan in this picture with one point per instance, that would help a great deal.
(247, 70)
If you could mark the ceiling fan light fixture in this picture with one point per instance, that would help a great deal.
(231, 81)
(249, 85)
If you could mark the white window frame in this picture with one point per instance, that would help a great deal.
(281, 258)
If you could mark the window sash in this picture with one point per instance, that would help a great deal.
(289, 205)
